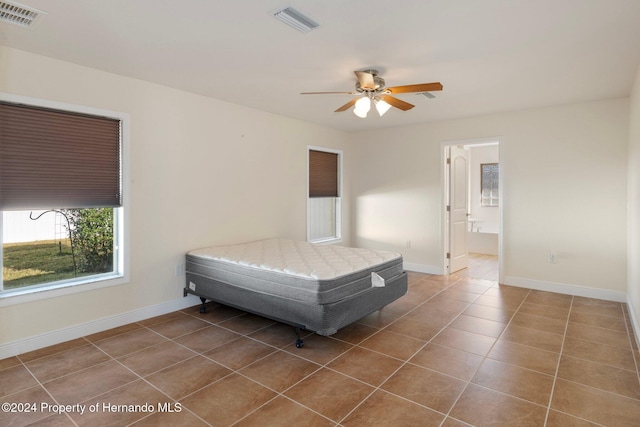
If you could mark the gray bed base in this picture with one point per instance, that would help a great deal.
(323, 319)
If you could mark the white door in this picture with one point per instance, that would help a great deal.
(459, 208)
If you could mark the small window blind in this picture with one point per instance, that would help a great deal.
(323, 174)
(58, 159)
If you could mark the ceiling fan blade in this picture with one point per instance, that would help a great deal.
(328, 93)
(366, 80)
(398, 103)
(347, 105)
(422, 87)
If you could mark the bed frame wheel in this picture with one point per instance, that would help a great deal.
(299, 341)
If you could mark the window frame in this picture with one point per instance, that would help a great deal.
(337, 238)
(121, 273)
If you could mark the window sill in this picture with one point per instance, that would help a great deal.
(57, 289)
(326, 241)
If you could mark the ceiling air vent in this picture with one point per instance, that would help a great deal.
(19, 14)
(295, 19)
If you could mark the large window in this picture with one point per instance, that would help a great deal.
(61, 195)
(324, 223)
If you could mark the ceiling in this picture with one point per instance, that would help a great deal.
(490, 55)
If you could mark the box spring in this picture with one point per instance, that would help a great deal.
(324, 319)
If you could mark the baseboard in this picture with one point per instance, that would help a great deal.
(422, 268)
(562, 288)
(635, 322)
(56, 337)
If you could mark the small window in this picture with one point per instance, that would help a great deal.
(324, 201)
(489, 184)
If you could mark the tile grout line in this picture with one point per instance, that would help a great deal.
(484, 358)
(555, 376)
(278, 393)
(236, 371)
(140, 377)
(46, 391)
(376, 388)
(281, 393)
(18, 356)
(144, 379)
(405, 362)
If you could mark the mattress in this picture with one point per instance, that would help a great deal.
(299, 271)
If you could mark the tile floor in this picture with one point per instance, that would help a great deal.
(455, 351)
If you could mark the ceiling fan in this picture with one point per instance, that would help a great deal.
(372, 89)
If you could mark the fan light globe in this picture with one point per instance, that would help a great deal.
(363, 105)
(382, 106)
(360, 113)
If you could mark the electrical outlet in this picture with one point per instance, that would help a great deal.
(179, 270)
(553, 257)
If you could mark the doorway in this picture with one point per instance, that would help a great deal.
(472, 208)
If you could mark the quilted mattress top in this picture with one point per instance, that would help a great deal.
(301, 259)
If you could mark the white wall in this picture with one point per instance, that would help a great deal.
(633, 286)
(202, 172)
(195, 163)
(565, 173)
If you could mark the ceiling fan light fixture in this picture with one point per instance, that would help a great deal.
(382, 106)
(362, 107)
(372, 89)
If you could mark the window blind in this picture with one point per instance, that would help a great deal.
(323, 174)
(58, 159)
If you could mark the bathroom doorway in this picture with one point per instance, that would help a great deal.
(472, 208)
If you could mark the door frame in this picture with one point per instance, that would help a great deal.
(444, 186)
